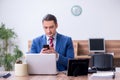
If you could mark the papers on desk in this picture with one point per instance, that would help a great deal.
(104, 74)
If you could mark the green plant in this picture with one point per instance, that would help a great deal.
(9, 51)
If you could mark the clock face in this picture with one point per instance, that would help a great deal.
(76, 10)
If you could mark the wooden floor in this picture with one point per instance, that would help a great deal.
(60, 76)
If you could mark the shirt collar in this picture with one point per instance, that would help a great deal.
(53, 37)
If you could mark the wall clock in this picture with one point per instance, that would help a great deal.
(76, 10)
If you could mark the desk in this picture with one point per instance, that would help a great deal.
(87, 56)
(116, 59)
(60, 76)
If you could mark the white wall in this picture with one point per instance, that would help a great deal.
(100, 18)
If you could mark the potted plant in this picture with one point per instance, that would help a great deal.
(9, 51)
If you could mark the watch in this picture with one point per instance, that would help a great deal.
(76, 10)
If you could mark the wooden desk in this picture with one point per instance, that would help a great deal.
(116, 59)
(60, 76)
(86, 56)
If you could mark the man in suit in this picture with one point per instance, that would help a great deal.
(60, 45)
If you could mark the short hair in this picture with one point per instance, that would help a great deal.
(50, 17)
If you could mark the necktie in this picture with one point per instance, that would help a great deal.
(51, 42)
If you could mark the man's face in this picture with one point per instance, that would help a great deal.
(49, 28)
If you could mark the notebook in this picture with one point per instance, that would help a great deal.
(41, 63)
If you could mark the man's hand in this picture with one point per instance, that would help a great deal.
(51, 50)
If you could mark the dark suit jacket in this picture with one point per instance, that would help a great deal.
(64, 47)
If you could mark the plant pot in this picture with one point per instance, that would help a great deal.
(21, 70)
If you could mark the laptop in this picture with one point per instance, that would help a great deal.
(41, 63)
(77, 67)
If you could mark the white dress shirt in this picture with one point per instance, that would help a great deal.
(54, 42)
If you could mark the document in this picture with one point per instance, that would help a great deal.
(104, 74)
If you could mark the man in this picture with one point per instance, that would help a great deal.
(59, 44)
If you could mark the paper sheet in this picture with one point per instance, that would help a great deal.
(103, 74)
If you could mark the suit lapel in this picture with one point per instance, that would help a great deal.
(58, 44)
(44, 41)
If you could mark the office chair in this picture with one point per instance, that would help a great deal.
(102, 62)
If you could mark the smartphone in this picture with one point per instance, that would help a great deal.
(6, 75)
(46, 46)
